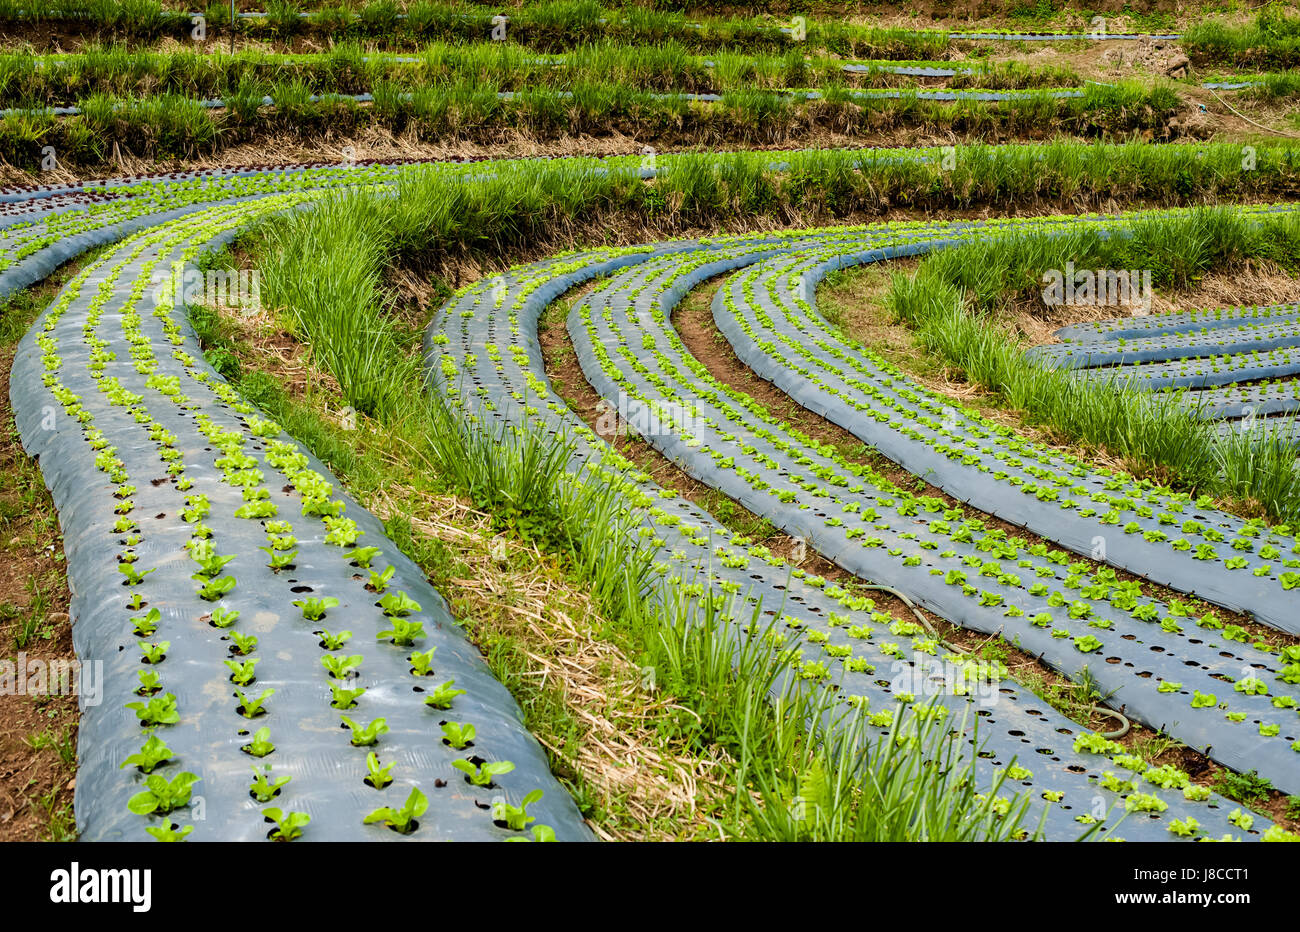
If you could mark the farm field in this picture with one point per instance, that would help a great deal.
(574, 422)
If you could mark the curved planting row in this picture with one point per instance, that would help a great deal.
(485, 352)
(1226, 364)
(273, 666)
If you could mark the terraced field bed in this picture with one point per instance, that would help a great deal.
(875, 535)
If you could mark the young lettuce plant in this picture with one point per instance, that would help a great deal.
(334, 641)
(540, 833)
(516, 818)
(213, 589)
(242, 673)
(403, 633)
(161, 795)
(441, 697)
(169, 832)
(263, 789)
(133, 576)
(364, 736)
(341, 667)
(278, 560)
(422, 663)
(146, 625)
(458, 735)
(314, 609)
(261, 744)
(379, 581)
(153, 752)
(159, 710)
(289, 825)
(398, 604)
(481, 775)
(243, 644)
(223, 617)
(362, 556)
(401, 820)
(343, 698)
(377, 776)
(250, 707)
(154, 653)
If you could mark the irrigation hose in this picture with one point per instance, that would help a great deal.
(1125, 724)
(1250, 121)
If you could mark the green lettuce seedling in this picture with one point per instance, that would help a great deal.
(398, 604)
(379, 581)
(377, 776)
(224, 617)
(340, 667)
(314, 609)
(458, 735)
(213, 589)
(242, 672)
(516, 818)
(133, 576)
(243, 643)
(277, 560)
(401, 820)
(367, 735)
(159, 710)
(262, 789)
(482, 775)
(252, 708)
(344, 698)
(169, 832)
(441, 697)
(261, 744)
(154, 653)
(153, 752)
(334, 641)
(403, 633)
(150, 682)
(288, 825)
(422, 663)
(162, 795)
(362, 556)
(146, 625)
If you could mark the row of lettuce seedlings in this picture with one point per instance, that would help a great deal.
(156, 709)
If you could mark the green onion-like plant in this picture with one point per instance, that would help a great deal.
(288, 825)
(365, 736)
(153, 752)
(377, 776)
(161, 795)
(482, 774)
(159, 710)
(441, 697)
(261, 744)
(264, 789)
(401, 820)
(253, 707)
(458, 735)
(314, 609)
(516, 818)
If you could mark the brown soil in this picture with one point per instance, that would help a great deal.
(36, 783)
